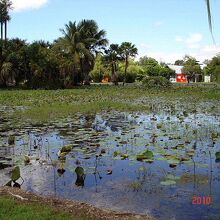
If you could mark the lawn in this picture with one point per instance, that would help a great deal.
(11, 209)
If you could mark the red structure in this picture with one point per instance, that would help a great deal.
(181, 78)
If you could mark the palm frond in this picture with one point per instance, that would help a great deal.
(208, 5)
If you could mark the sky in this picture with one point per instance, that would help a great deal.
(163, 29)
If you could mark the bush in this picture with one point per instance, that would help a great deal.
(156, 82)
(96, 75)
(121, 76)
(129, 77)
(141, 76)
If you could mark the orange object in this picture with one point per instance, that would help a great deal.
(181, 78)
(106, 80)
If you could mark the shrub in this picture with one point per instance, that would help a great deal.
(121, 76)
(156, 82)
(129, 77)
(96, 75)
(141, 76)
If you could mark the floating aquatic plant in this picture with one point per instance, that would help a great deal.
(15, 175)
(145, 155)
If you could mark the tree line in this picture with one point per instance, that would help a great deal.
(81, 55)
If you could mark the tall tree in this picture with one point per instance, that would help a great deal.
(179, 62)
(213, 69)
(112, 56)
(82, 41)
(191, 68)
(5, 7)
(7, 18)
(127, 50)
(95, 42)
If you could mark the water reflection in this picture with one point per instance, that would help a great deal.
(80, 176)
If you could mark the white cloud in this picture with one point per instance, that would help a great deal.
(20, 5)
(145, 46)
(160, 56)
(193, 46)
(211, 48)
(192, 41)
(158, 23)
(202, 53)
(208, 52)
(194, 38)
(166, 57)
(179, 39)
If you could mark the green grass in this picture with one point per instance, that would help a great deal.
(46, 105)
(12, 210)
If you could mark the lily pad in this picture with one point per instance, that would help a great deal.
(66, 149)
(146, 155)
(11, 140)
(116, 153)
(217, 155)
(79, 171)
(16, 174)
(26, 159)
(168, 182)
(172, 177)
(124, 156)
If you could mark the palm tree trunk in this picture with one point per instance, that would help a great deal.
(86, 67)
(1, 45)
(126, 69)
(5, 34)
(2, 31)
(86, 80)
(114, 75)
(6, 30)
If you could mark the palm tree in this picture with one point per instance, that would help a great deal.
(127, 50)
(82, 41)
(5, 6)
(209, 14)
(112, 56)
(72, 44)
(95, 42)
(6, 74)
(208, 5)
(1, 18)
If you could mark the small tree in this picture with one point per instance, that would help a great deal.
(191, 67)
(213, 69)
(112, 56)
(99, 70)
(127, 50)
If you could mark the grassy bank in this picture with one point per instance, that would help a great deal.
(11, 209)
(34, 207)
(44, 105)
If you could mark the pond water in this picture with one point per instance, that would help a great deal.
(108, 149)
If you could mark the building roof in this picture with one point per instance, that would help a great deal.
(177, 69)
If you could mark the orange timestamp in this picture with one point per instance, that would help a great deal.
(202, 200)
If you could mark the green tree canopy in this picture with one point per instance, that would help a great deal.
(82, 42)
(127, 50)
(191, 66)
(112, 57)
(213, 69)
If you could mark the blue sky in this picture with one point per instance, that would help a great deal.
(163, 29)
